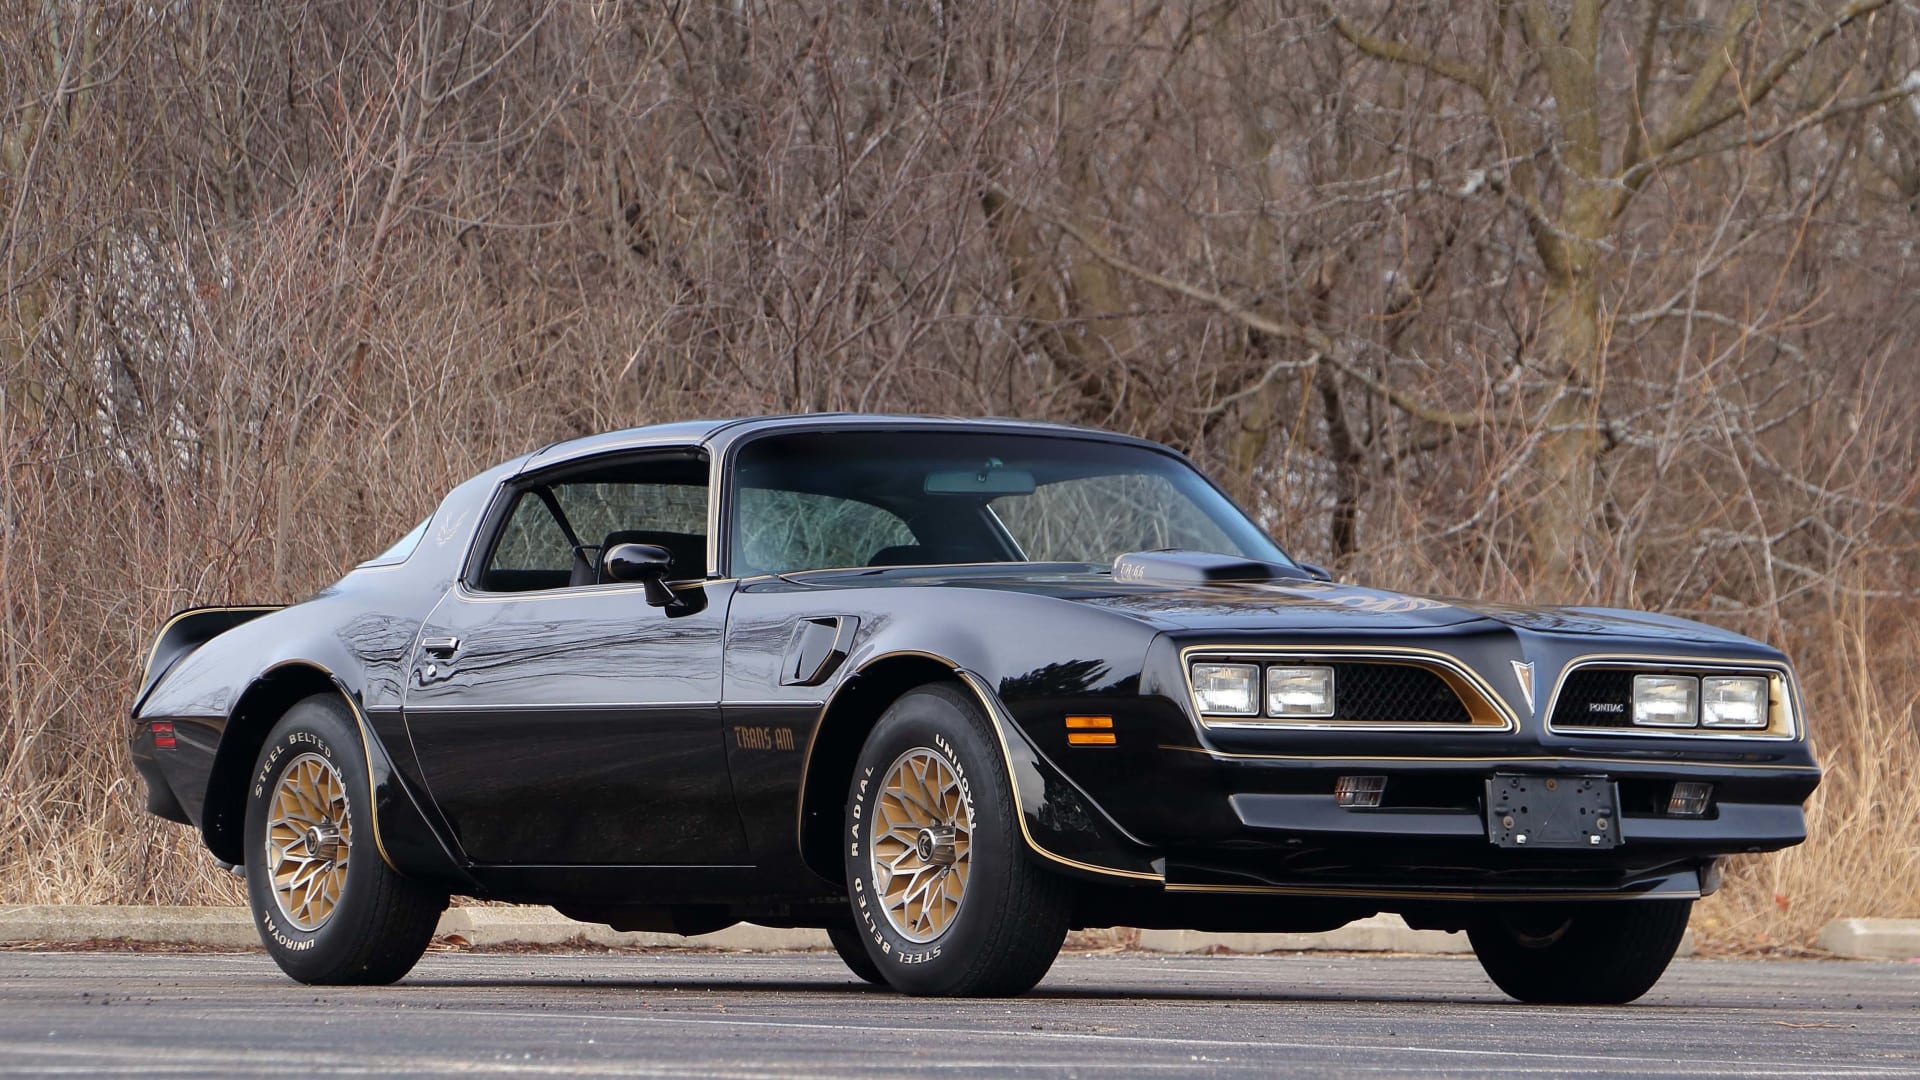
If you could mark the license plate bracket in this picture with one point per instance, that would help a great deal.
(1531, 811)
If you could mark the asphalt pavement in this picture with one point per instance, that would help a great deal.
(802, 1015)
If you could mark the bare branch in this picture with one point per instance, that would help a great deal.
(1396, 52)
(1696, 118)
(1323, 346)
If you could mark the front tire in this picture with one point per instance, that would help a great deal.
(1580, 954)
(852, 947)
(945, 899)
(328, 908)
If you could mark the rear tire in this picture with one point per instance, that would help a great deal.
(328, 908)
(946, 900)
(1580, 954)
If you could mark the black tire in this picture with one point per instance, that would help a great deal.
(1011, 915)
(378, 923)
(852, 947)
(1580, 954)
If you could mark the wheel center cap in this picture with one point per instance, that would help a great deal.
(935, 845)
(323, 841)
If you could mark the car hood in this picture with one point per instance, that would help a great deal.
(1283, 605)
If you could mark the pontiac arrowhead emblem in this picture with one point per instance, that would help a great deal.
(1523, 671)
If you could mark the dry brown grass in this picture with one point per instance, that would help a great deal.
(1862, 855)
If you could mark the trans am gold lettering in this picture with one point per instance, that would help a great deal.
(763, 738)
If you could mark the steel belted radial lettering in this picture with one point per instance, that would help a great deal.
(309, 835)
(920, 840)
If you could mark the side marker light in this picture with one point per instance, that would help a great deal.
(1090, 731)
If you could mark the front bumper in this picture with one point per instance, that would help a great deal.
(1272, 825)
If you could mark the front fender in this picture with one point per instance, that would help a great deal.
(1061, 823)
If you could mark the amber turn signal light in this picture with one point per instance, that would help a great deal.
(1090, 731)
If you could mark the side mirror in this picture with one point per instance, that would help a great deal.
(1317, 573)
(645, 563)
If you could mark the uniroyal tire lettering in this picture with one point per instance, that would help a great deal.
(284, 941)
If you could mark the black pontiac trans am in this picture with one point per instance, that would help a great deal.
(947, 689)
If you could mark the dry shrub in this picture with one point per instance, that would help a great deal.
(1861, 856)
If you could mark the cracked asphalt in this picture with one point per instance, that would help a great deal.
(680, 1014)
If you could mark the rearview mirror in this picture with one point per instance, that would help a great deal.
(992, 478)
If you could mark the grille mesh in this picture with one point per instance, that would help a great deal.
(1394, 693)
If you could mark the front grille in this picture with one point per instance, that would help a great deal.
(1602, 697)
(1383, 689)
(1595, 697)
(1394, 694)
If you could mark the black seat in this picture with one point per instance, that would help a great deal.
(689, 550)
(902, 555)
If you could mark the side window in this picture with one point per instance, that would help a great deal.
(532, 552)
(781, 531)
(669, 515)
(1109, 515)
(557, 529)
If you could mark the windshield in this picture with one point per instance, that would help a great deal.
(823, 500)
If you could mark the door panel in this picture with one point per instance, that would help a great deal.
(576, 726)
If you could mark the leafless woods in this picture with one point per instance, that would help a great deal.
(1558, 301)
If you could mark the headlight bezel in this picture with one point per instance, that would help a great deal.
(1785, 714)
(1488, 711)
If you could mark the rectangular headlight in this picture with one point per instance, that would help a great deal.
(1299, 691)
(1227, 689)
(1666, 700)
(1733, 702)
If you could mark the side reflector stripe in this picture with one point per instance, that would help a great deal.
(1083, 722)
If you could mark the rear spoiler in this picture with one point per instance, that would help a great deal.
(188, 630)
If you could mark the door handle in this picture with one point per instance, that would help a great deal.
(444, 648)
